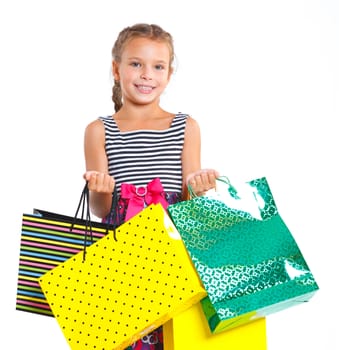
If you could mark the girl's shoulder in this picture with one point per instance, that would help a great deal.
(106, 119)
(185, 116)
(108, 122)
(192, 124)
(181, 117)
(95, 129)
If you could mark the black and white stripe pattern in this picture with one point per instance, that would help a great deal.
(137, 157)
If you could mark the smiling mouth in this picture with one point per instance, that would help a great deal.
(145, 88)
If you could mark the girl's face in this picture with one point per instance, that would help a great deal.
(144, 70)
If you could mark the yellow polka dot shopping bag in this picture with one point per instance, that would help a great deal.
(248, 260)
(131, 281)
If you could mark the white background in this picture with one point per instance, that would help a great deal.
(262, 79)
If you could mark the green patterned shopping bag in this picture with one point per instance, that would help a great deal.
(247, 259)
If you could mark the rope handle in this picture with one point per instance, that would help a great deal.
(84, 207)
(231, 189)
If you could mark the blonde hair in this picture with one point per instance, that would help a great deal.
(140, 30)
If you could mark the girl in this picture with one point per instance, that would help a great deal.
(142, 143)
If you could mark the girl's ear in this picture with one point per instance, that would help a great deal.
(115, 70)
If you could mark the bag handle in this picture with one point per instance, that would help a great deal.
(114, 213)
(86, 215)
(231, 189)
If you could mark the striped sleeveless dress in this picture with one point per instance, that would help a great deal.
(138, 157)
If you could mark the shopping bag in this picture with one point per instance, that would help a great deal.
(48, 239)
(125, 288)
(189, 330)
(248, 260)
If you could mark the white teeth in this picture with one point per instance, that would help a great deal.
(145, 88)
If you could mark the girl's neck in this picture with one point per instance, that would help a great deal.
(139, 112)
(130, 119)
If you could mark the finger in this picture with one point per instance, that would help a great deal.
(205, 182)
(190, 178)
(109, 183)
(101, 182)
(88, 174)
(209, 179)
(92, 182)
(212, 179)
(211, 172)
(198, 182)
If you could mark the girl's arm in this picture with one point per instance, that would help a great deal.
(100, 183)
(201, 180)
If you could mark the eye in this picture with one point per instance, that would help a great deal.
(159, 67)
(135, 64)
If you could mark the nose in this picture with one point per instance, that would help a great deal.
(146, 74)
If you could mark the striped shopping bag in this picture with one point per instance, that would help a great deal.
(47, 240)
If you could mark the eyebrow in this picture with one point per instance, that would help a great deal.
(140, 59)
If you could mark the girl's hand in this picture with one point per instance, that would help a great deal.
(202, 180)
(99, 182)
